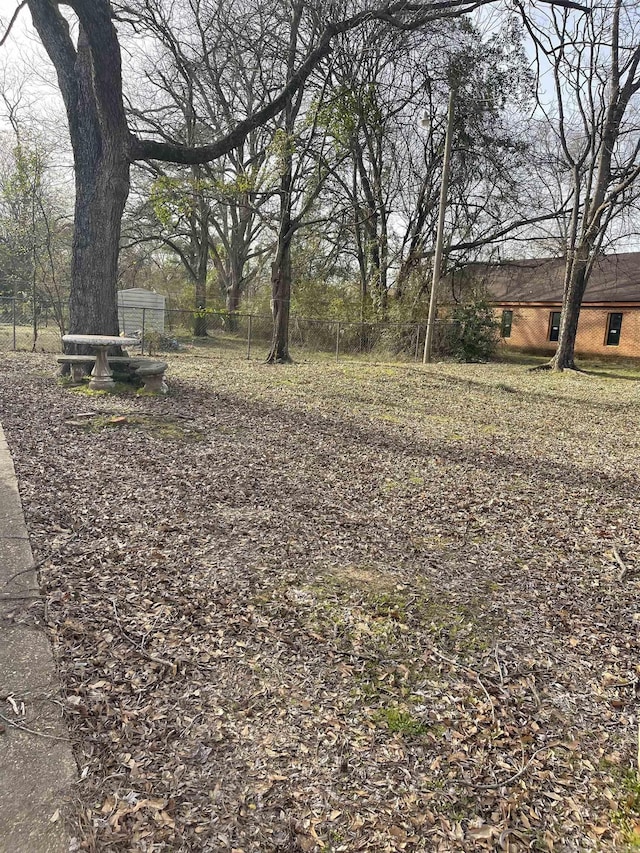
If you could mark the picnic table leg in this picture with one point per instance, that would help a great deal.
(101, 376)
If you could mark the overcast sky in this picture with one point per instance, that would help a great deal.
(29, 85)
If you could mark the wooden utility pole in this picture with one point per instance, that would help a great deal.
(437, 258)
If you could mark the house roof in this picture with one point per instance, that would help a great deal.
(615, 278)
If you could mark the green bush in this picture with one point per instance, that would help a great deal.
(478, 332)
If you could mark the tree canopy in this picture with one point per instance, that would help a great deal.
(106, 138)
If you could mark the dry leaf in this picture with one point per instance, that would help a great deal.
(356, 602)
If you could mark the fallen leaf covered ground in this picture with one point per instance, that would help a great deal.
(341, 607)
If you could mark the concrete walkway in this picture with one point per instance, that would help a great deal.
(36, 767)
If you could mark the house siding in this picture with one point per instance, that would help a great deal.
(530, 329)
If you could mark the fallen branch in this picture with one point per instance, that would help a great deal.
(469, 670)
(32, 568)
(22, 728)
(137, 645)
(20, 597)
(489, 699)
(623, 566)
(37, 564)
(515, 776)
(499, 665)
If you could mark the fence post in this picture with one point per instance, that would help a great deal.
(337, 340)
(249, 337)
(34, 312)
(144, 310)
(417, 352)
(13, 315)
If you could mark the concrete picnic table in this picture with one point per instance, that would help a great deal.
(101, 377)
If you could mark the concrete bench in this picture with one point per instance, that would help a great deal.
(152, 375)
(79, 364)
(149, 371)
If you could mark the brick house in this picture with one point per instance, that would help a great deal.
(528, 297)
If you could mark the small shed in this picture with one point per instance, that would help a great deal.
(140, 309)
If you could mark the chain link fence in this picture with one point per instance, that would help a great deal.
(25, 327)
(28, 325)
(250, 335)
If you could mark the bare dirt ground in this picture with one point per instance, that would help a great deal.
(341, 607)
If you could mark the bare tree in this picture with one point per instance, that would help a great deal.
(301, 152)
(34, 224)
(389, 112)
(380, 86)
(210, 66)
(104, 146)
(594, 62)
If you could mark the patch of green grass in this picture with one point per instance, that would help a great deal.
(399, 721)
(364, 607)
(506, 355)
(458, 630)
(409, 484)
(156, 425)
(622, 368)
(120, 388)
(390, 605)
(363, 610)
(627, 815)
(390, 485)
(439, 542)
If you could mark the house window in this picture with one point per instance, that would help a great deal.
(505, 325)
(614, 325)
(554, 325)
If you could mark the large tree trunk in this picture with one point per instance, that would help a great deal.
(575, 286)
(598, 189)
(281, 267)
(200, 316)
(232, 302)
(199, 228)
(365, 302)
(280, 301)
(200, 281)
(233, 290)
(101, 162)
(102, 187)
(90, 83)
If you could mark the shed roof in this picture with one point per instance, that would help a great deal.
(615, 278)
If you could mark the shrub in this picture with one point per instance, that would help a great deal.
(156, 341)
(478, 332)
